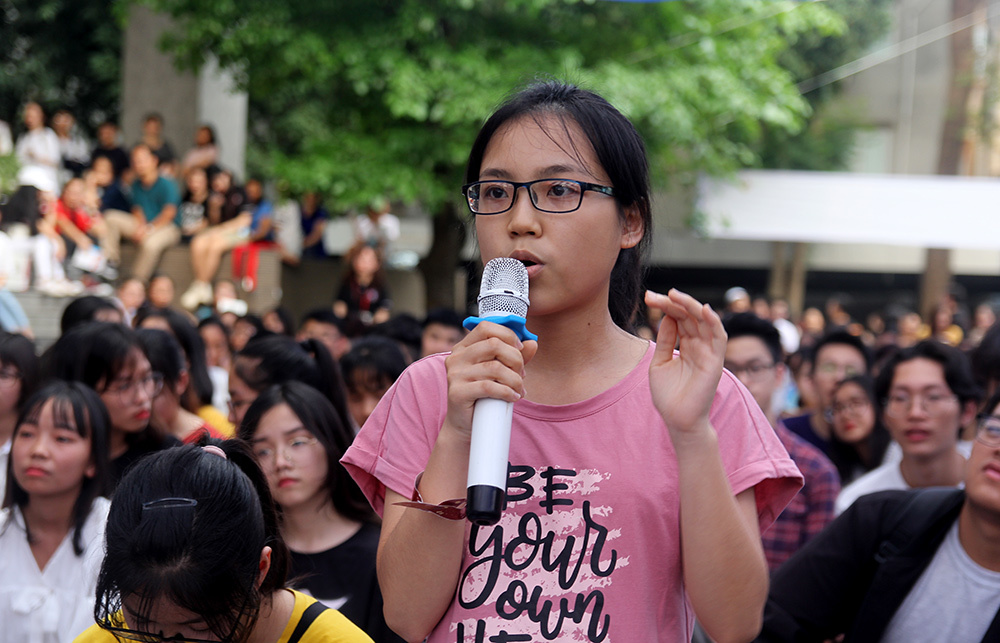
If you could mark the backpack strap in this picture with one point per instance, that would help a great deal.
(920, 512)
(311, 614)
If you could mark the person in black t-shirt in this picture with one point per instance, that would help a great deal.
(298, 439)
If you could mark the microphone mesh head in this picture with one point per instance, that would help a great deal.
(504, 289)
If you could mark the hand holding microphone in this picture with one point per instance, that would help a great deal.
(503, 299)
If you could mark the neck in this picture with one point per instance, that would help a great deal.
(51, 515)
(819, 424)
(864, 452)
(149, 178)
(315, 526)
(117, 443)
(940, 471)
(979, 534)
(580, 354)
(184, 423)
(275, 612)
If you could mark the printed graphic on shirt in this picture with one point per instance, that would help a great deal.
(545, 566)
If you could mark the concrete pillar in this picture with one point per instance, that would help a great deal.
(151, 83)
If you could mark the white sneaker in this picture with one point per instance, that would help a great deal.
(196, 294)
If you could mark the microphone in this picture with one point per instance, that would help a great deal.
(503, 299)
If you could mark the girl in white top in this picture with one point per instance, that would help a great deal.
(38, 152)
(53, 516)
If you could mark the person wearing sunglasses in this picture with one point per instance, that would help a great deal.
(927, 395)
(913, 565)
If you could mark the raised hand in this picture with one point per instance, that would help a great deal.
(684, 384)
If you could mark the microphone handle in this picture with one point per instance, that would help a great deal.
(488, 454)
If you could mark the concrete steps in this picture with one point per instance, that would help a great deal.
(44, 313)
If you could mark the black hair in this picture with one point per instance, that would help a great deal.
(957, 370)
(445, 316)
(986, 359)
(193, 346)
(619, 151)
(992, 403)
(324, 316)
(188, 526)
(93, 353)
(845, 456)
(840, 336)
(276, 359)
(22, 207)
(320, 418)
(374, 362)
(750, 325)
(84, 309)
(153, 116)
(211, 132)
(405, 329)
(18, 351)
(78, 406)
(165, 354)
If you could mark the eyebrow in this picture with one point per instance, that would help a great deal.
(552, 171)
(287, 433)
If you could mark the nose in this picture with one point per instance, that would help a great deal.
(523, 219)
(281, 460)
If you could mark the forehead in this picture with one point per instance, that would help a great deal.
(276, 421)
(747, 348)
(918, 373)
(840, 354)
(534, 144)
(849, 389)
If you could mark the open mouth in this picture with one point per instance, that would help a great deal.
(527, 262)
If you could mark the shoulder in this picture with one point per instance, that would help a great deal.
(883, 478)
(810, 460)
(329, 626)
(95, 634)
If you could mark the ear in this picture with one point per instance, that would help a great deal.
(91, 469)
(632, 227)
(264, 565)
(968, 413)
(182, 383)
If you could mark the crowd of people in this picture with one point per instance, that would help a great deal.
(61, 231)
(717, 476)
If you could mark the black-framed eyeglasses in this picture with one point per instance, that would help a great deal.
(123, 633)
(988, 430)
(547, 195)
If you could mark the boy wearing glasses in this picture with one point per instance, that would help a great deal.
(927, 394)
(918, 565)
(837, 355)
(754, 356)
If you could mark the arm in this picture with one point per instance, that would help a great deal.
(68, 228)
(165, 217)
(721, 551)
(420, 554)
(315, 236)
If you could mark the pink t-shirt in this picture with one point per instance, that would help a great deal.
(588, 548)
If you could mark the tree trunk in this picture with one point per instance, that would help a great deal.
(937, 269)
(438, 267)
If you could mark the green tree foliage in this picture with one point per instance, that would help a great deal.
(358, 98)
(60, 53)
(826, 142)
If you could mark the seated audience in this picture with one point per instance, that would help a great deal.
(332, 533)
(174, 568)
(859, 441)
(322, 325)
(154, 223)
(442, 329)
(109, 147)
(207, 248)
(836, 355)
(371, 366)
(205, 153)
(52, 521)
(194, 205)
(919, 565)
(37, 152)
(313, 220)
(928, 395)
(754, 355)
(363, 297)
